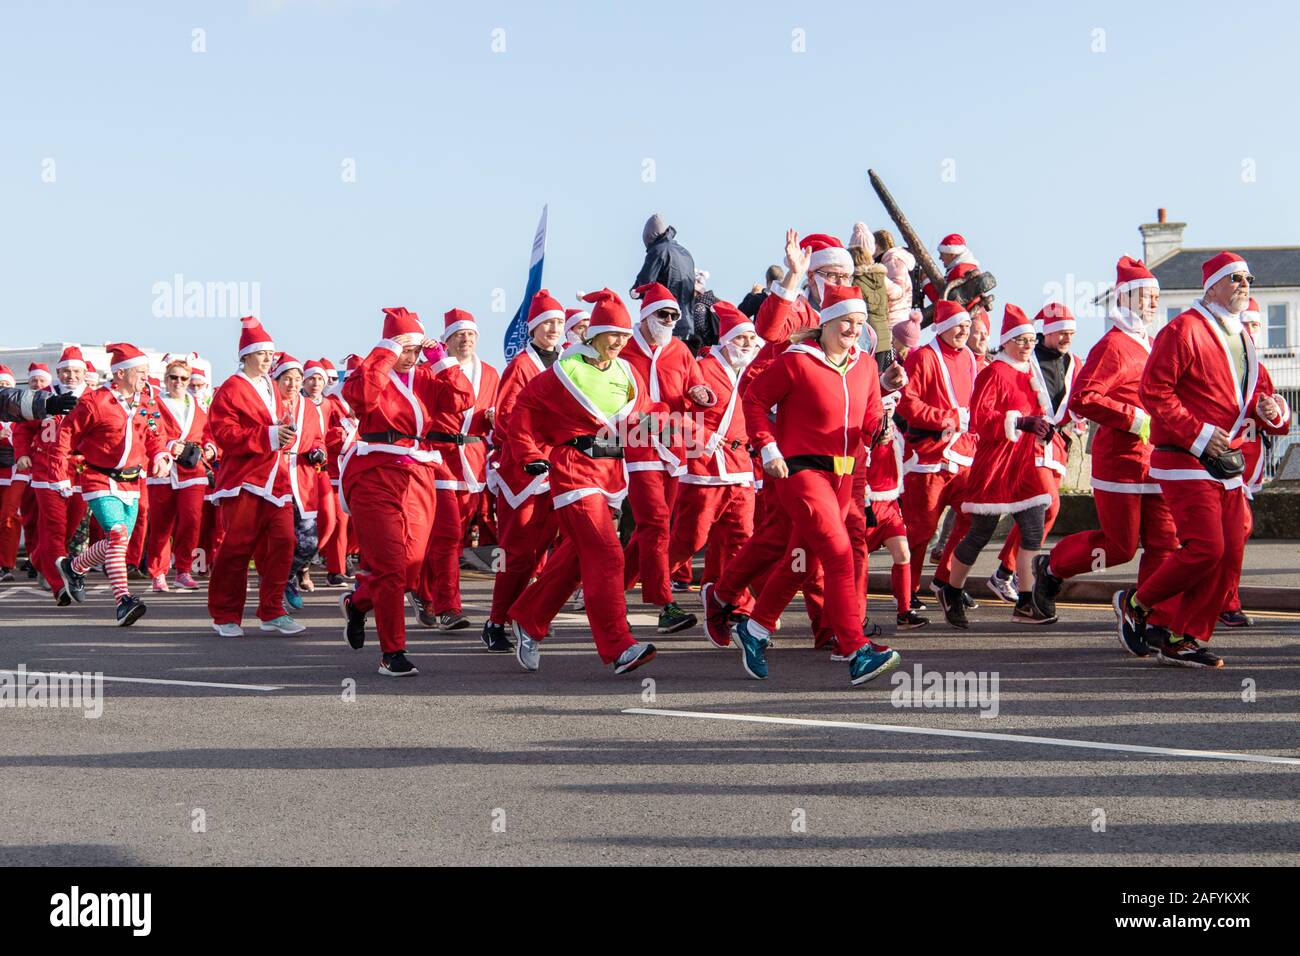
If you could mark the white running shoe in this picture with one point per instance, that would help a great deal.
(283, 624)
(228, 630)
(527, 651)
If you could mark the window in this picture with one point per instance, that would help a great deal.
(1278, 337)
(1173, 312)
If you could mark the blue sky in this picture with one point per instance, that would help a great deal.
(227, 165)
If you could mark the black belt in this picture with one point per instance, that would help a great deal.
(826, 463)
(386, 438)
(920, 434)
(133, 473)
(593, 446)
(453, 438)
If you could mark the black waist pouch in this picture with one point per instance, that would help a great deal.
(1231, 464)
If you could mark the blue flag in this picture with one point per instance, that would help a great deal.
(517, 331)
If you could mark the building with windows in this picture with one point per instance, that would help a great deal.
(19, 357)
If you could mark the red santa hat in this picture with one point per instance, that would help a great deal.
(824, 250)
(401, 325)
(90, 366)
(543, 307)
(1252, 312)
(457, 320)
(948, 315)
(981, 318)
(953, 244)
(654, 297)
(72, 358)
(574, 317)
(350, 364)
(197, 375)
(608, 314)
(283, 363)
(839, 301)
(1014, 323)
(7, 377)
(184, 358)
(1133, 274)
(731, 321)
(1222, 265)
(126, 356)
(1056, 318)
(314, 367)
(253, 338)
(39, 370)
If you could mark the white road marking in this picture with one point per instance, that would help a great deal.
(159, 680)
(969, 735)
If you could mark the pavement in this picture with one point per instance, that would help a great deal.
(314, 759)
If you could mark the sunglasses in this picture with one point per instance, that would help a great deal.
(667, 315)
(178, 378)
(1242, 278)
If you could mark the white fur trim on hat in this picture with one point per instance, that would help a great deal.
(740, 329)
(1060, 325)
(841, 309)
(285, 367)
(457, 327)
(71, 363)
(129, 363)
(650, 308)
(543, 316)
(251, 347)
(1136, 284)
(954, 320)
(1237, 265)
(574, 320)
(1011, 333)
(830, 256)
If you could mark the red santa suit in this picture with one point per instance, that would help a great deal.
(782, 314)
(715, 503)
(11, 488)
(176, 501)
(669, 371)
(1253, 450)
(59, 508)
(388, 474)
(327, 505)
(1054, 317)
(939, 446)
(117, 439)
(1130, 508)
(1190, 387)
(551, 412)
(823, 414)
(460, 436)
(340, 434)
(884, 487)
(251, 490)
(526, 522)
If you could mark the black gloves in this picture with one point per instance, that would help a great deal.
(316, 456)
(1041, 428)
(538, 467)
(60, 404)
(190, 455)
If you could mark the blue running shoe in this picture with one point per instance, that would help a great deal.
(751, 651)
(871, 661)
(292, 599)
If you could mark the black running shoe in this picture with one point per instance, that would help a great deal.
(917, 604)
(967, 601)
(72, 581)
(495, 640)
(911, 621)
(396, 665)
(1186, 653)
(62, 598)
(1125, 627)
(954, 609)
(135, 573)
(673, 619)
(1027, 612)
(337, 581)
(870, 630)
(452, 621)
(129, 610)
(356, 626)
(6, 574)
(1133, 619)
(1236, 618)
(1046, 586)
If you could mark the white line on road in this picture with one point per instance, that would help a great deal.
(156, 680)
(968, 734)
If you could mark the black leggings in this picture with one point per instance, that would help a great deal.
(982, 527)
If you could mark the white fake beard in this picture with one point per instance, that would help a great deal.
(738, 358)
(573, 338)
(660, 334)
(1231, 320)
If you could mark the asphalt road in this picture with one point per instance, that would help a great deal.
(477, 762)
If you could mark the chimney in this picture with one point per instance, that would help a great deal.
(1160, 239)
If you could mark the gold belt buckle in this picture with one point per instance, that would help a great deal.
(843, 465)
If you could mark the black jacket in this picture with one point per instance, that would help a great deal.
(19, 404)
(668, 262)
